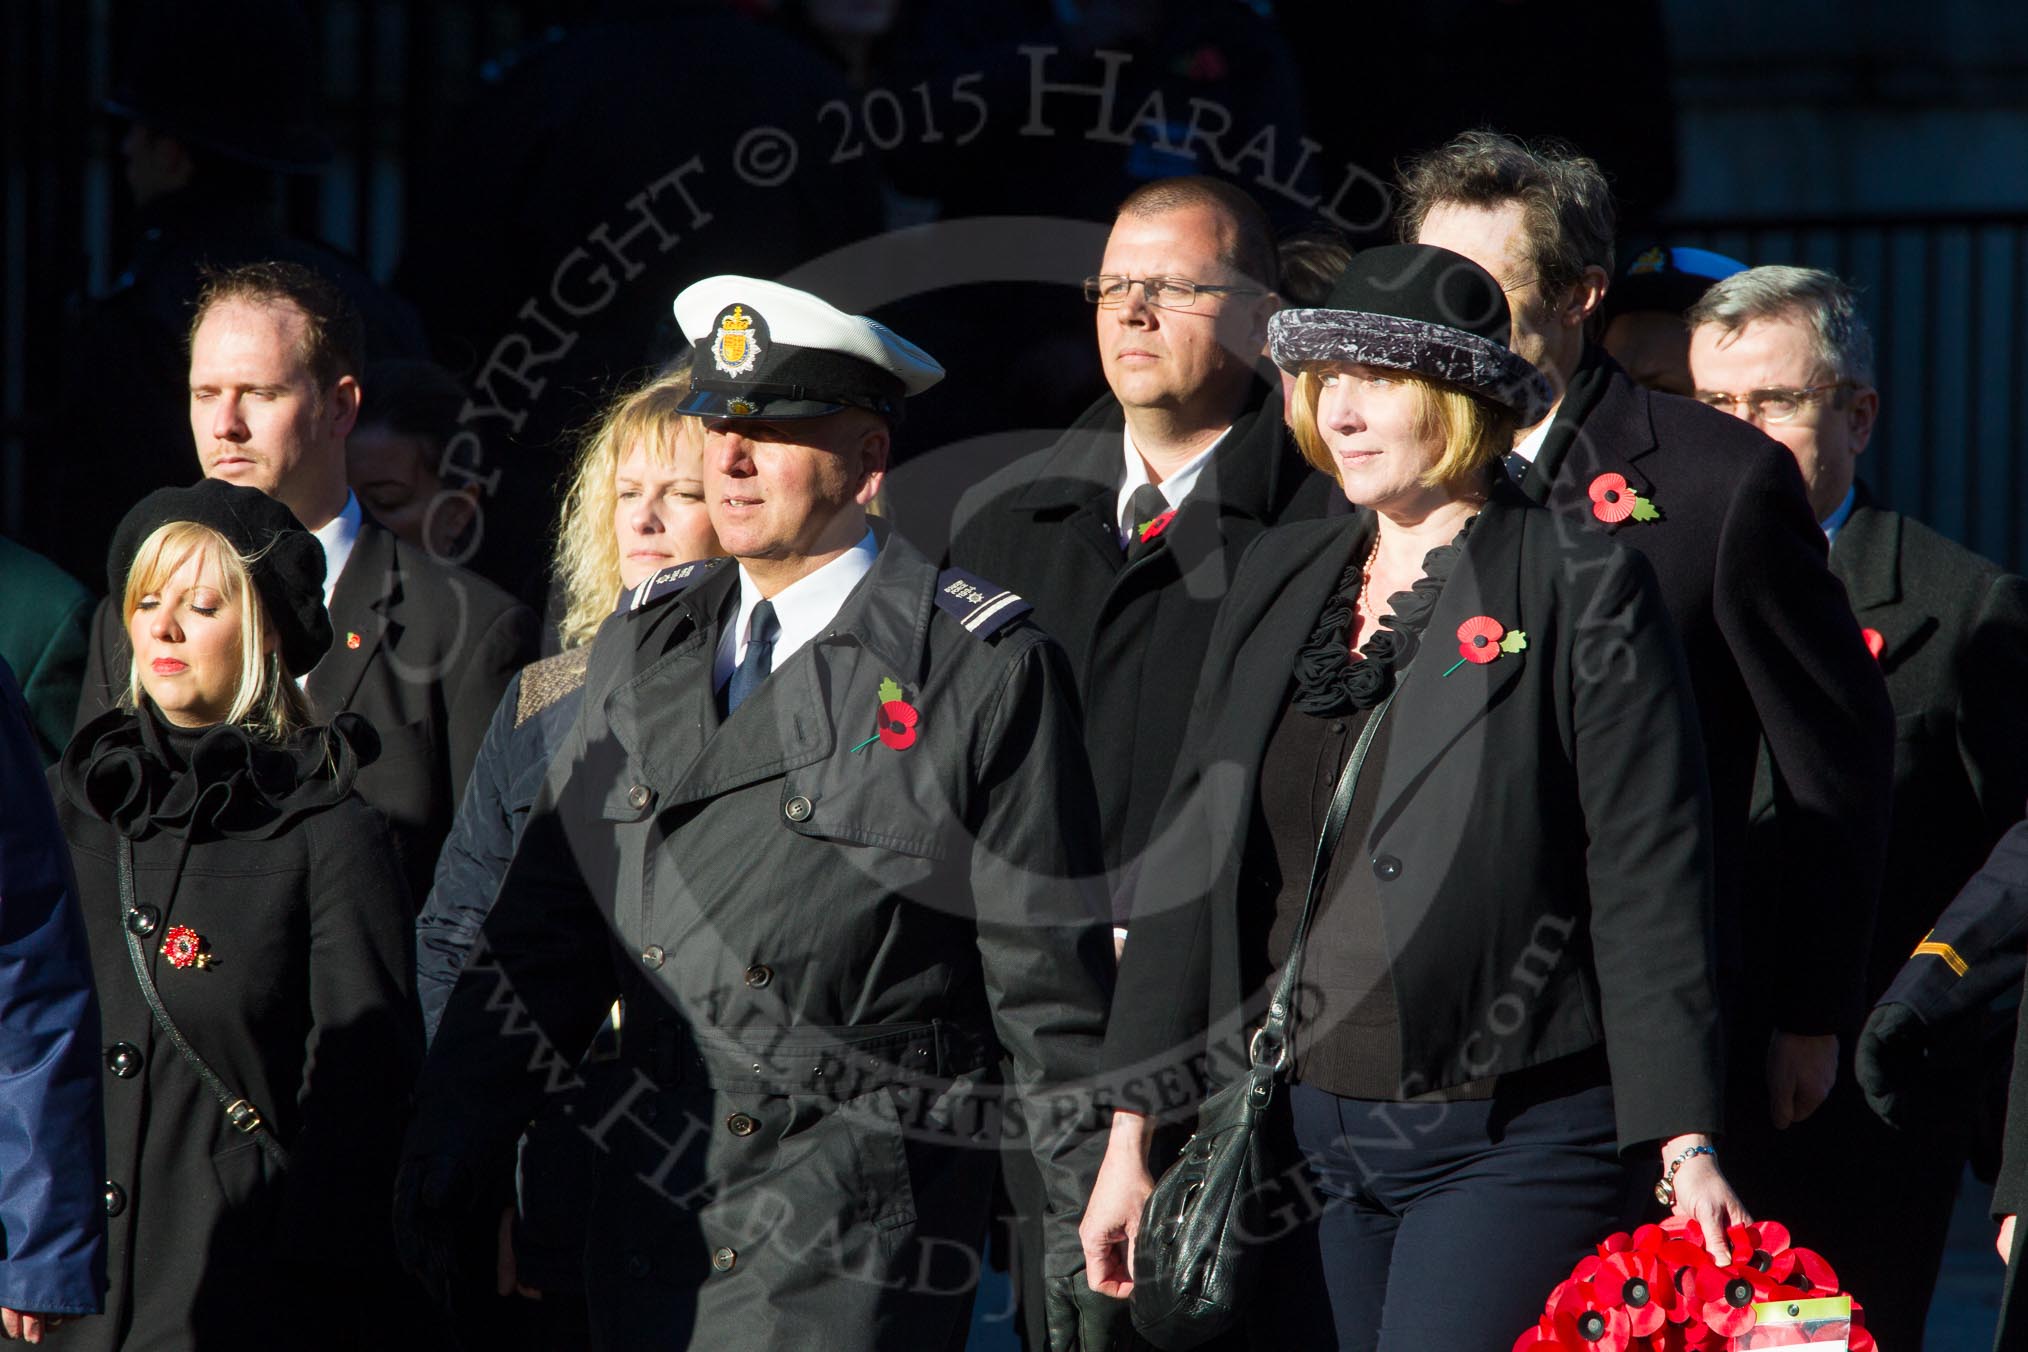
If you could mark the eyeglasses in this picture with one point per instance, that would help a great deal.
(1169, 293)
(1777, 404)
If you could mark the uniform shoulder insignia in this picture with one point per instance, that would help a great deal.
(983, 608)
(545, 682)
(668, 582)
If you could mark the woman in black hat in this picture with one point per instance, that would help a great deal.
(251, 943)
(1505, 1020)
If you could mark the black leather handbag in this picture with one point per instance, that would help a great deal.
(1198, 1254)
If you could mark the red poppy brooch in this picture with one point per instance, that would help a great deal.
(1612, 501)
(1154, 526)
(897, 720)
(1482, 639)
(1660, 1290)
(1876, 642)
(185, 947)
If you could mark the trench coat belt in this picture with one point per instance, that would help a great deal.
(836, 1062)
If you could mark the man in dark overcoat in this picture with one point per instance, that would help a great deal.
(1786, 348)
(1125, 533)
(45, 619)
(420, 648)
(1719, 510)
(821, 826)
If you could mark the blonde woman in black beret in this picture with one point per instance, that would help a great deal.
(250, 939)
(1505, 1023)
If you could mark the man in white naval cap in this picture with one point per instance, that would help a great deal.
(825, 825)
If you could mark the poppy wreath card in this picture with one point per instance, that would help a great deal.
(1659, 1289)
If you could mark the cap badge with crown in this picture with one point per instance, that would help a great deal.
(736, 350)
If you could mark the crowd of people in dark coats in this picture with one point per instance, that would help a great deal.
(1499, 635)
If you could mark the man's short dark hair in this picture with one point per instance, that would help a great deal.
(334, 337)
(1252, 254)
(1566, 202)
(414, 398)
(1312, 259)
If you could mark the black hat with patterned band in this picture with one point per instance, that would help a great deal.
(1420, 309)
(764, 350)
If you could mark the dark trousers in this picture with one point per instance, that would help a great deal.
(1442, 1225)
(1874, 1200)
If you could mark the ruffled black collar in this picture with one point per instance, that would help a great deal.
(144, 776)
(1330, 678)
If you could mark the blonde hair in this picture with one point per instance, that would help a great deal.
(587, 550)
(1475, 430)
(266, 699)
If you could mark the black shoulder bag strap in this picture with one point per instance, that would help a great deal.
(1270, 1045)
(238, 1111)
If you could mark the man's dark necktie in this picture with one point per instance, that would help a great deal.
(762, 629)
(1517, 467)
(1144, 506)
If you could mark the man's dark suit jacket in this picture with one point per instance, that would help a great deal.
(1045, 527)
(1773, 653)
(421, 649)
(1541, 836)
(1953, 633)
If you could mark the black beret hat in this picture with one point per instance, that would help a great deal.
(288, 568)
(1421, 309)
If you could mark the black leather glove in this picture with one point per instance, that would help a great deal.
(1893, 1063)
(1079, 1318)
(434, 1199)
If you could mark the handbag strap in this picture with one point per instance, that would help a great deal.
(1273, 1035)
(242, 1114)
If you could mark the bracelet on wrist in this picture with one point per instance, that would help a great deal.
(1665, 1187)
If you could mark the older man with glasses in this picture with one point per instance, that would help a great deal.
(1125, 532)
(1786, 349)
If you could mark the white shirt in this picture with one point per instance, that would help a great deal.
(338, 535)
(1175, 488)
(1530, 446)
(1837, 519)
(802, 609)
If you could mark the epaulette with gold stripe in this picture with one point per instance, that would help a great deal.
(544, 683)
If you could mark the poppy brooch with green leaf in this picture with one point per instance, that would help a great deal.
(1613, 501)
(897, 720)
(1482, 639)
(1154, 526)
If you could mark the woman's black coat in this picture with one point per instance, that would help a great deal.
(307, 1009)
(1542, 836)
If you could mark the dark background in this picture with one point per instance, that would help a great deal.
(480, 146)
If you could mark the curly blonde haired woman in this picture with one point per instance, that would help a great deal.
(635, 505)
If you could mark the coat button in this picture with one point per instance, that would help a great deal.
(143, 919)
(723, 1258)
(759, 975)
(640, 796)
(739, 1124)
(797, 809)
(124, 1060)
(1386, 868)
(116, 1198)
(637, 1265)
(652, 957)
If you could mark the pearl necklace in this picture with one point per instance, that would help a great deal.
(1366, 576)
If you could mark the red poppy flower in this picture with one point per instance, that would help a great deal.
(184, 946)
(1876, 642)
(897, 724)
(1598, 1321)
(1550, 1334)
(1640, 1285)
(1727, 1294)
(1479, 639)
(1611, 500)
(1156, 525)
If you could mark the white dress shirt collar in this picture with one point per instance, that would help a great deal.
(802, 609)
(1175, 488)
(1530, 446)
(338, 535)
